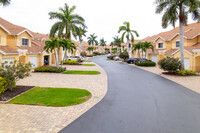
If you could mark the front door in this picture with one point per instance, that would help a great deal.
(46, 60)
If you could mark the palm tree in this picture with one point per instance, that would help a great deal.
(137, 47)
(90, 49)
(147, 45)
(102, 43)
(178, 10)
(5, 2)
(67, 44)
(80, 34)
(68, 23)
(128, 33)
(117, 42)
(53, 45)
(92, 39)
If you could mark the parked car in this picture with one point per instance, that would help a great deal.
(76, 58)
(143, 59)
(108, 56)
(132, 60)
(117, 58)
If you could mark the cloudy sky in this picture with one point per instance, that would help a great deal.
(103, 17)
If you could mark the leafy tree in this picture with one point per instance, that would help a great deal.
(178, 10)
(92, 39)
(5, 2)
(68, 23)
(53, 45)
(14, 71)
(128, 33)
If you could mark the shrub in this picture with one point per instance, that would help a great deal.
(71, 62)
(170, 64)
(50, 69)
(187, 72)
(145, 63)
(14, 71)
(84, 54)
(96, 53)
(3, 85)
(124, 55)
(89, 55)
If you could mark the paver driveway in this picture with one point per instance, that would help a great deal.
(138, 101)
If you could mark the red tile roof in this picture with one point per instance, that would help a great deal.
(8, 49)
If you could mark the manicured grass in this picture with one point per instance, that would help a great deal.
(57, 97)
(87, 61)
(82, 72)
(88, 65)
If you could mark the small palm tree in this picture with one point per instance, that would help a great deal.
(102, 43)
(128, 33)
(117, 42)
(81, 32)
(147, 45)
(67, 44)
(5, 2)
(137, 47)
(53, 45)
(92, 39)
(68, 23)
(178, 10)
(90, 49)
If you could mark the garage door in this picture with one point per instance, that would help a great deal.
(187, 63)
(154, 58)
(33, 60)
(8, 60)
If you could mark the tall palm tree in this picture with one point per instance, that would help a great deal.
(117, 42)
(128, 33)
(5, 2)
(178, 10)
(67, 44)
(80, 34)
(53, 45)
(92, 39)
(102, 43)
(68, 22)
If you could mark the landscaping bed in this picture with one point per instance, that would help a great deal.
(50, 69)
(88, 65)
(82, 72)
(57, 97)
(7, 95)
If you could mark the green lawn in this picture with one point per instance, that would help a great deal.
(88, 65)
(57, 97)
(82, 72)
(87, 61)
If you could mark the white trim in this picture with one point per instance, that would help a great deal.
(188, 30)
(162, 45)
(5, 29)
(35, 43)
(196, 50)
(4, 53)
(22, 42)
(158, 38)
(179, 50)
(25, 31)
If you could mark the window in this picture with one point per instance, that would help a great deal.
(160, 45)
(177, 44)
(24, 42)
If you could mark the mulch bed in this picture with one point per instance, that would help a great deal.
(176, 74)
(16, 91)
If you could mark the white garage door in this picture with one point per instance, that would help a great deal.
(154, 58)
(8, 60)
(187, 63)
(33, 60)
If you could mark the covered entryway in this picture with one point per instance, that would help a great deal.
(187, 63)
(154, 58)
(33, 60)
(8, 60)
(46, 60)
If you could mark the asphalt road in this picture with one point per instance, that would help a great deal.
(138, 101)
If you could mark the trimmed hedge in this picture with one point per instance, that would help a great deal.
(145, 63)
(187, 73)
(3, 85)
(50, 69)
(71, 62)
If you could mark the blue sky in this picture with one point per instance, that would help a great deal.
(103, 17)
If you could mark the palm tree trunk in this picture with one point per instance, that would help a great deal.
(181, 20)
(56, 56)
(128, 46)
(80, 46)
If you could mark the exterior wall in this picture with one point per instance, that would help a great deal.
(11, 41)
(164, 43)
(190, 42)
(25, 35)
(187, 56)
(197, 63)
(3, 35)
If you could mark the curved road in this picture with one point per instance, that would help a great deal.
(138, 101)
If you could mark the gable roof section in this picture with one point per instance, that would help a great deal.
(5, 50)
(13, 29)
